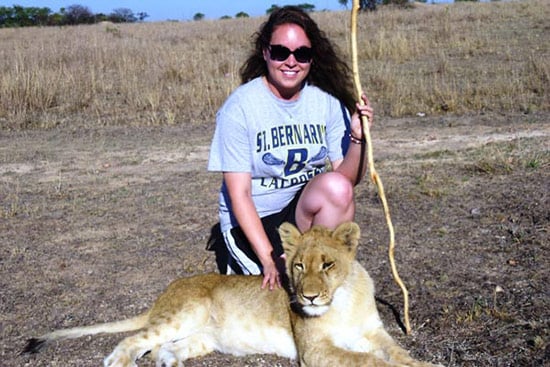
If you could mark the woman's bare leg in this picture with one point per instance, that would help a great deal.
(326, 200)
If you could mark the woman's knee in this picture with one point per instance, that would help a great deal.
(328, 201)
(337, 188)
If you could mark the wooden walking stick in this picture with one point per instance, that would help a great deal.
(373, 175)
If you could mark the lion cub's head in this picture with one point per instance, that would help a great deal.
(318, 262)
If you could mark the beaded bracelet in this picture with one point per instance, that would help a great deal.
(354, 140)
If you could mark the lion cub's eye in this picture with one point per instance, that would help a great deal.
(299, 266)
(328, 265)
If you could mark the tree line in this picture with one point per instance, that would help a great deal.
(20, 16)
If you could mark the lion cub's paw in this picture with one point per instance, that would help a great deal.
(167, 358)
(118, 359)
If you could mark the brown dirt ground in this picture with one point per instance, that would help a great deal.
(94, 223)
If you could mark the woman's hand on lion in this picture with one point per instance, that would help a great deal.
(271, 276)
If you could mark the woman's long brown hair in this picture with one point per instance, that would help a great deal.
(328, 71)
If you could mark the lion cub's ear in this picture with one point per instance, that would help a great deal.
(348, 233)
(290, 236)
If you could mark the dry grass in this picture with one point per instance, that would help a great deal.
(436, 59)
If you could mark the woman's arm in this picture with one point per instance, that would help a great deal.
(239, 188)
(354, 164)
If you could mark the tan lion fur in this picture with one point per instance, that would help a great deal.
(325, 317)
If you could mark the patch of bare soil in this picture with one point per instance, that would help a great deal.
(95, 223)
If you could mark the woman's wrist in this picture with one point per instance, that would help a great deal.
(265, 254)
(355, 140)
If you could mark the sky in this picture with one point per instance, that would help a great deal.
(159, 10)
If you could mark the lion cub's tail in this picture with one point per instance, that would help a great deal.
(35, 344)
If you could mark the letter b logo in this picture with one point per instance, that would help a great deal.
(296, 161)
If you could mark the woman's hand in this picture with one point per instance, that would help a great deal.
(362, 110)
(271, 275)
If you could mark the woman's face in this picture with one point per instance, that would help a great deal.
(285, 78)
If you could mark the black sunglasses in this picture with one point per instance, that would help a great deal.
(281, 53)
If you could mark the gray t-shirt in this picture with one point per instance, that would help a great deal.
(282, 144)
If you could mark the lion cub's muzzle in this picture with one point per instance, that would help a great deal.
(313, 296)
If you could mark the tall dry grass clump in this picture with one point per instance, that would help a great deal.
(119, 74)
(456, 58)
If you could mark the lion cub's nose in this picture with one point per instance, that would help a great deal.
(311, 298)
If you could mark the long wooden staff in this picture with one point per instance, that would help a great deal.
(374, 176)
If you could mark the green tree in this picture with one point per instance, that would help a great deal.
(6, 16)
(198, 16)
(369, 4)
(101, 17)
(272, 9)
(21, 17)
(142, 15)
(39, 16)
(79, 14)
(56, 19)
(241, 14)
(122, 15)
(306, 7)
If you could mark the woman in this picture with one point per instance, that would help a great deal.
(273, 137)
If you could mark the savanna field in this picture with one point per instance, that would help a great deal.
(105, 198)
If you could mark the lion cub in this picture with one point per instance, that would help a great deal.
(326, 317)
